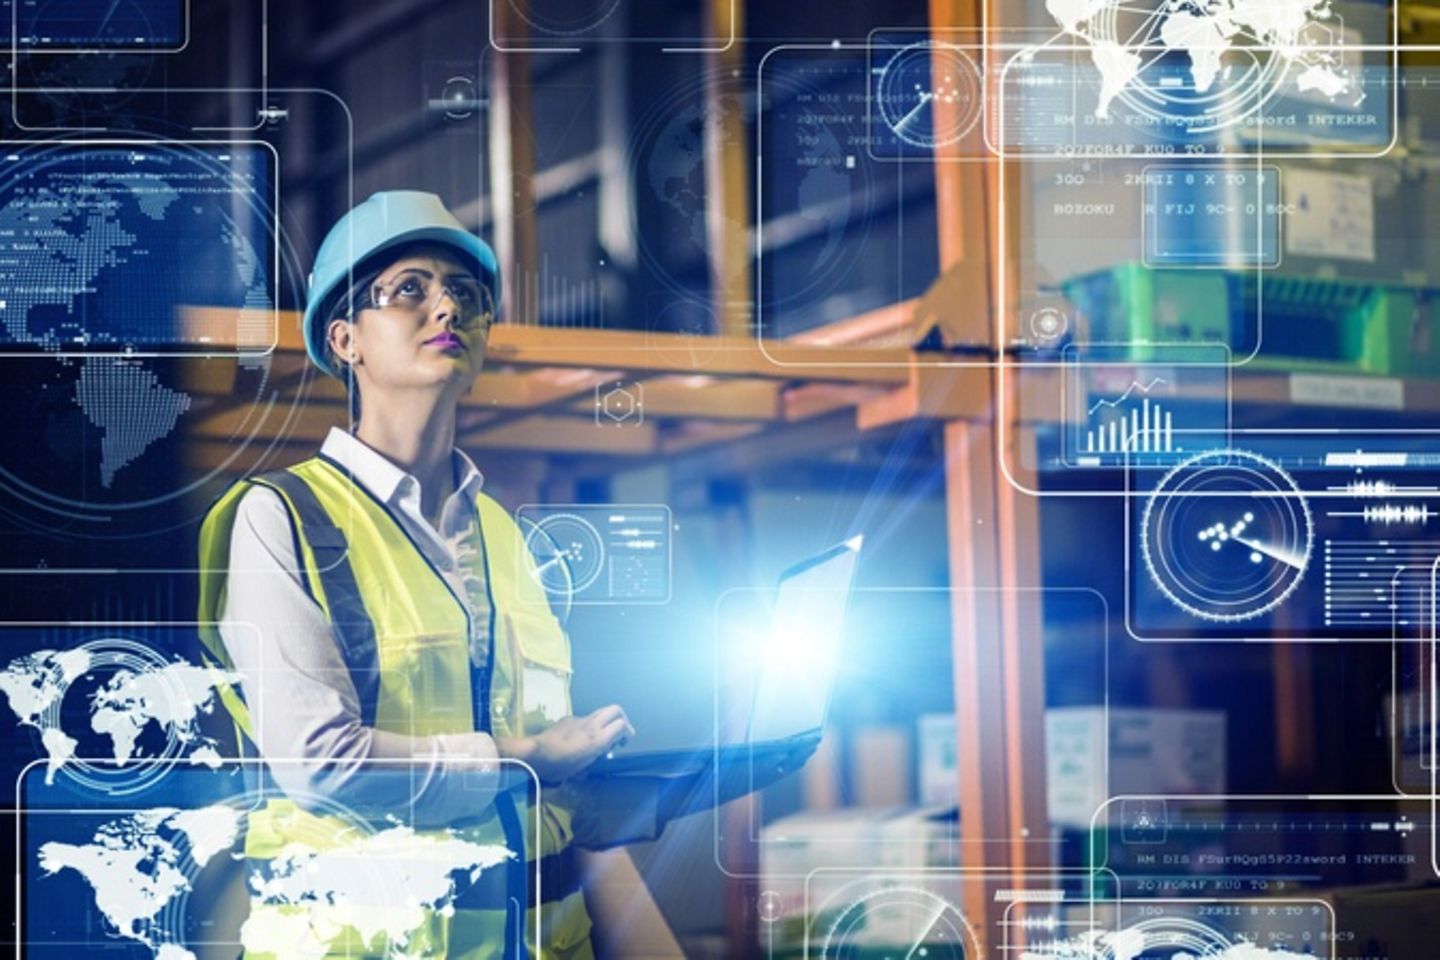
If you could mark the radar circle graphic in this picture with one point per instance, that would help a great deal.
(111, 661)
(915, 921)
(918, 78)
(569, 18)
(569, 553)
(1174, 938)
(102, 422)
(1227, 536)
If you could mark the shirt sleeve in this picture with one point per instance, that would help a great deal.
(304, 705)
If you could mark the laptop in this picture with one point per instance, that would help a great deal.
(794, 677)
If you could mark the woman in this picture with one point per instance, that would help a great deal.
(378, 607)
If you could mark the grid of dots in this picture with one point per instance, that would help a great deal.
(48, 264)
(130, 404)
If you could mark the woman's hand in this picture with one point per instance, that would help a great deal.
(570, 745)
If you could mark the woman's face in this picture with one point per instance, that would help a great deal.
(425, 327)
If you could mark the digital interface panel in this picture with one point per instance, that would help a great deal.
(1284, 538)
(121, 24)
(85, 232)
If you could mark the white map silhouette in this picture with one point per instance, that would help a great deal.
(33, 685)
(1131, 944)
(1209, 32)
(135, 866)
(382, 886)
(173, 697)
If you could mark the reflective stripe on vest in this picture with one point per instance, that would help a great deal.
(404, 636)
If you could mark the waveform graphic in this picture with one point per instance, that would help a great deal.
(1129, 391)
(1373, 489)
(1386, 514)
(1046, 922)
(1370, 488)
(1394, 513)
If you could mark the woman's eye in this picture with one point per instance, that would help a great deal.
(410, 288)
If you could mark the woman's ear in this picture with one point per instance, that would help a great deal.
(340, 336)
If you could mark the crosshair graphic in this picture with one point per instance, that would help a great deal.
(1227, 536)
(918, 78)
(1049, 324)
(459, 98)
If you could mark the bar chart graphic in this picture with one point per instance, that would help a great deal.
(1145, 415)
(1123, 426)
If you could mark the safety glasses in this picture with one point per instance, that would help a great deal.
(418, 291)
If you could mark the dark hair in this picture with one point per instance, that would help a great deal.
(345, 304)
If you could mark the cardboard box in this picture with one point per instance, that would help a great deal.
(939, 771)
(1142, 752)
(880, 765)
(1091, 757)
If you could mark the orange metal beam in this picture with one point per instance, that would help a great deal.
(977, 649)
(558, 434)
(998, 643)
(727, 176)
(817, 399)
(940, 393)
(891, 326)
(512, 172)
(637, 353)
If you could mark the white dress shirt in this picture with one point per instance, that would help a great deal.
(295, 681)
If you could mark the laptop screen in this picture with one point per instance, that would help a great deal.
(801, 652)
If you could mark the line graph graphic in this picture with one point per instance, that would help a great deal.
(1129, 391)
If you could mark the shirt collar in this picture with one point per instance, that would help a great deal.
(384, 479)
(471, 479)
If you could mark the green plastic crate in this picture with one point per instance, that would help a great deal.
(1305, 323)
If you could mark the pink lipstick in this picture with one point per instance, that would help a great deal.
(446, 341)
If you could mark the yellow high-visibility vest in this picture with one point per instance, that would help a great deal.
(405, 636)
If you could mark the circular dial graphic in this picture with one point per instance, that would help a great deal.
(1170, 938)
(569, 553)
(900, 923)
(1049, 324)
(921, 78)
(1227, 536)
